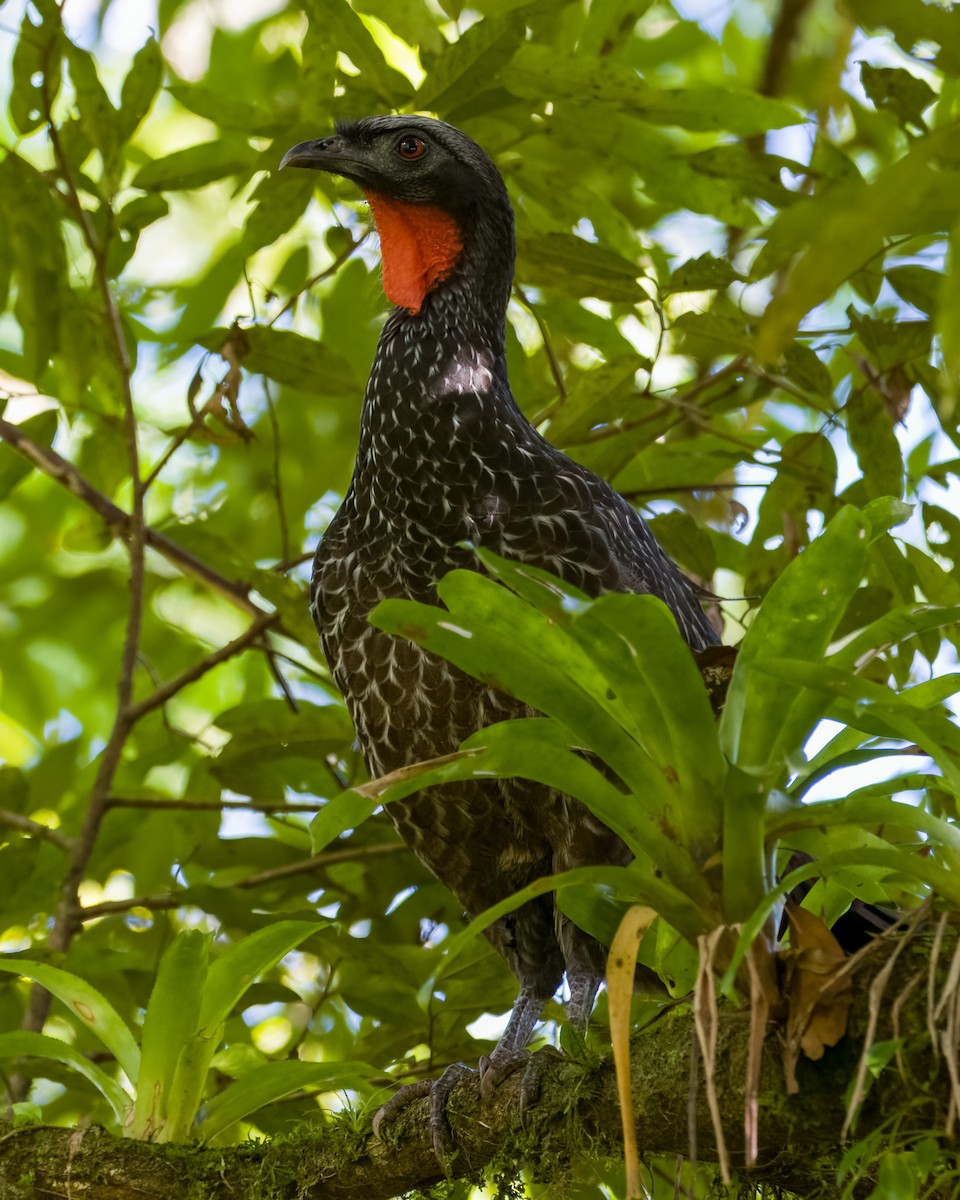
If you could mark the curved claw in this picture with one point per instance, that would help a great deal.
(499, 1067)
(438, 1090)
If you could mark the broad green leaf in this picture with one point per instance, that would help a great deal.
(86, 1004)
(913, 23)
(196, 166)
(894, 627)
(290, 358)
(36, 69)
(338, 816)
(701, 274)
(597, 397)
(898, 91)
(495, 636)
(170, 1020)
(570, 263)
(764, 718)
(227, 979)
(468, 66)
(870, 428)
(539, 71)
(884, 513)
(98, 117)
(230, 111)
(233, 972)
(862, 809)
(845, 227)
(338, 25)
(39, 1045)
(948, 324)
(139, 88)
(263, 1085)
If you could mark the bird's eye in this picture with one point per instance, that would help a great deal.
(410, 147)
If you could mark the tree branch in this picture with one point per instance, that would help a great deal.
(47, 460)
(576, 1116)
(16, 821)
(65, 925)
(199, 669)
(303, 866)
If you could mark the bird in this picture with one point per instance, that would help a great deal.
(447, 461)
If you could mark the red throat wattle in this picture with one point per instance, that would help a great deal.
(420, 245)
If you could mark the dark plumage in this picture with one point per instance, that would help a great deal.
(446, 456)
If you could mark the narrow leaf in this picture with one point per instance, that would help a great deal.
(85, 1003)
(39, 1045)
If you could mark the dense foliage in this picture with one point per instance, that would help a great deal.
(736, 299)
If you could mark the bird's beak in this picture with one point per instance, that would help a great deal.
(307, 154)
(322, 154)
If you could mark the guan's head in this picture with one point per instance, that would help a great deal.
(439, 203)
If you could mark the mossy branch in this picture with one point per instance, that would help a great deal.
(575, 1118)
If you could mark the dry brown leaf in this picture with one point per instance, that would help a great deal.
(621, 971)
(818, 990)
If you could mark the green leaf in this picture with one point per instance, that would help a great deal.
(14, 467)
(230, 975)
(87, 1005)
(338, 816)
(227, 979)
(340, 27)
(98, 117)
(274, 1080)
(196, 166)
(842, 229)
(569, 263)
(896, 90)
(140, 88)
(804, 367)
(471, 64)
(36, 69)
(170, 1020)
(884, 513)
(764, 719)
(38, 1045)
(875, 444)
(540, 72)
(495, 637)
(238, 114)
(701, 274)
(596, 397)
(919, 286)
(948, 327)
(291, 358)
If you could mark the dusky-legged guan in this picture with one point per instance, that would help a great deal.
(446, 457)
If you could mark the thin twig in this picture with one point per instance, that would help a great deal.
(65, 924)
(277, 476)
(47, 460)
(34, 828)
(302, 866)
(197, 417)
(639, 493)
(158, 698)
(264, 806)
(555, 370)
(351, 249)
(288, 564)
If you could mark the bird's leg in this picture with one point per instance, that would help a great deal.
(584, 986)
(439, 1092)
(510, 1052)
